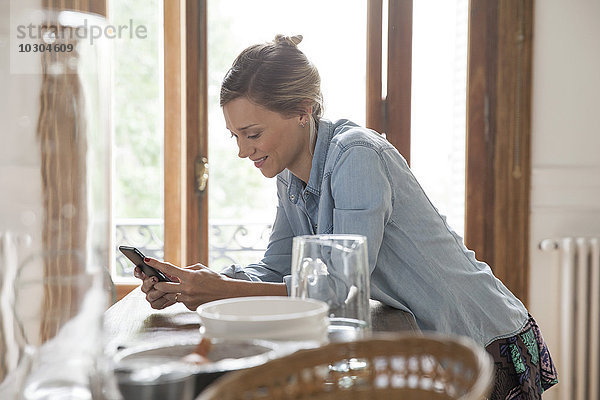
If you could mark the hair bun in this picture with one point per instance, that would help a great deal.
(288, 40)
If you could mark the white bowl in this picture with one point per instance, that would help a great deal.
(265, 317)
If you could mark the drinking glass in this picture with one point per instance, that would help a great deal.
(335, 269)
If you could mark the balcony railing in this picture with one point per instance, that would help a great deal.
(229, 243)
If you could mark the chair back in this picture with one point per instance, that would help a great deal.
(406, 366)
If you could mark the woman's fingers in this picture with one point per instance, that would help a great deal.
(200, 284)
(153, 294)
(173, 278)
(165, 296)
(148, 284)
(180, 287)
(167, 268)
(164, 301)
(138, 273)
(147, 281)
(158, 298)
(196, 267)
(169, 287)
(191, 286)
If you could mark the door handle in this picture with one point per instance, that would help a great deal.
(201, 170)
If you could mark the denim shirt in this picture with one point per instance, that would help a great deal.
(360, 184)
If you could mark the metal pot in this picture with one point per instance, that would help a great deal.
(157, 371)
(157, 383)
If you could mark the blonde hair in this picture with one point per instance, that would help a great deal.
(277, 76)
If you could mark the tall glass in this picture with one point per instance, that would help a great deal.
(335, 269)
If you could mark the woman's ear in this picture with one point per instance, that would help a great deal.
(303, 120)
(304, 117)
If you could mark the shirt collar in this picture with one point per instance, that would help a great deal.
(317, 169)
(324, 136)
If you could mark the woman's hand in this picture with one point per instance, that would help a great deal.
(157, 299)
(197, 284)
(191, 286)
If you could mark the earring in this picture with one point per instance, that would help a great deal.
(302, 124)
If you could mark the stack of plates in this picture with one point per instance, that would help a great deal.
(267, 317)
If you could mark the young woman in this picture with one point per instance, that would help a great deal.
(338, 177)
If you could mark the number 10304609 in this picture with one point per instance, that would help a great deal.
(45, 48)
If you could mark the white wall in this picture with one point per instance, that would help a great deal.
(566, 146)
(19, 149)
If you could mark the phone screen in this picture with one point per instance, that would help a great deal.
(137, 258)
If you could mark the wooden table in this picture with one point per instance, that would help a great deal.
(132, 321)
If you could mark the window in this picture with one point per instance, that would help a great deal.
(241, 201)
(137, 109)
(439, 88)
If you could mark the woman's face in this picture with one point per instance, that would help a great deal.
(269, 139)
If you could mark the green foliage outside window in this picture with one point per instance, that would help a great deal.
(137, 110)
(237, 190)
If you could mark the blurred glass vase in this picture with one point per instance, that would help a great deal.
(56, 173)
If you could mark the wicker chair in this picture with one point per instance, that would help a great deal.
(404, 367)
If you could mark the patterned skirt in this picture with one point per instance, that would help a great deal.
(524, 368)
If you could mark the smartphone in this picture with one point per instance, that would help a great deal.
(137, 258)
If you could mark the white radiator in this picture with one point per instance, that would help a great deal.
(579, 372)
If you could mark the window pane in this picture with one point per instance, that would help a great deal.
(241, 200)
(438, 103)
(138, 128)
